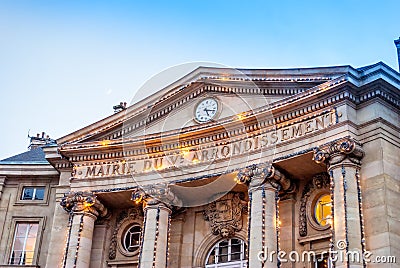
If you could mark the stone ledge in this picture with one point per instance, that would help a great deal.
(314, 238)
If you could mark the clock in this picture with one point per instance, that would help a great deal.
(206, 110)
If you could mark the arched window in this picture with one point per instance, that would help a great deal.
(131, 238)
(227, 253)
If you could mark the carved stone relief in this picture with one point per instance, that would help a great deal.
(319, 181)
(225, 214)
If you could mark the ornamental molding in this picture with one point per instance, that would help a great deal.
(225, 214)
(128, 215)
(319, 182)
(116, 160)
(136, 146)
(259, 174)
(156, 194)
(339, 150)
(83, 202)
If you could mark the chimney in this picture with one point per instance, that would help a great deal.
(397, 43)
(120, 107)
(39, 141)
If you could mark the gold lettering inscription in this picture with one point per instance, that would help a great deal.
(197, 155)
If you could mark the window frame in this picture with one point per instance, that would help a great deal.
(318, 200)
(46, 194)
(35, 189)
(125, 233)
(243, 261)
(310, 211)
(125, 226)
(11, 238)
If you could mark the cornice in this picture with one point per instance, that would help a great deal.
(28, 169)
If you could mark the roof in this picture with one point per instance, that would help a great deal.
(34, 156)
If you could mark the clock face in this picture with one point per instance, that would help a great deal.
(206, 110)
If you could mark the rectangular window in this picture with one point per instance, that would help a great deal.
(33, 193)
(23, 247)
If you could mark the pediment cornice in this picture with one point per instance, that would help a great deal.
(115, 127)
(287, 112)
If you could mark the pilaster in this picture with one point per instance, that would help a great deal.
(2, 182)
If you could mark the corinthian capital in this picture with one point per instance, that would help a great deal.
(256, 175)
(83, 202)
(154, 194)
(339, 150)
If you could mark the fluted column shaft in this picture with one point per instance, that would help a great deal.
(154, 248)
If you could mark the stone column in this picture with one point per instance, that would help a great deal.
(158, 201)
(84, 208)
(264, 183)
(155, 235)
(343, 159)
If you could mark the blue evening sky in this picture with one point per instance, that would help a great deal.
(64, 64)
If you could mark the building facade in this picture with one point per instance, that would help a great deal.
(223, 168)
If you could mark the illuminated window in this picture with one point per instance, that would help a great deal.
(23, 247)
(33, 193)
(228, 253)
(131, 238)
(323, 213)
(323, 261)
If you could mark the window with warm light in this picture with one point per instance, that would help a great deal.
(322, 212)
(323, 261)
(131, 238)
(227, 253)
(23, 246)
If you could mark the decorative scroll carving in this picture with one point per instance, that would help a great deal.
(83, 202)
(225, 214)
(319, 181)
(256, 175)
(125, 215)
(339, 150)
(154, 194)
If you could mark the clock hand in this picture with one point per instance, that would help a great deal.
(206, 110)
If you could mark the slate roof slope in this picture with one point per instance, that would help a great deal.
(34, 156)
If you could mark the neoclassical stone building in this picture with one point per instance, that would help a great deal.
(222, 168)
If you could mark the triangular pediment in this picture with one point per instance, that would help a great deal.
(237, 92)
